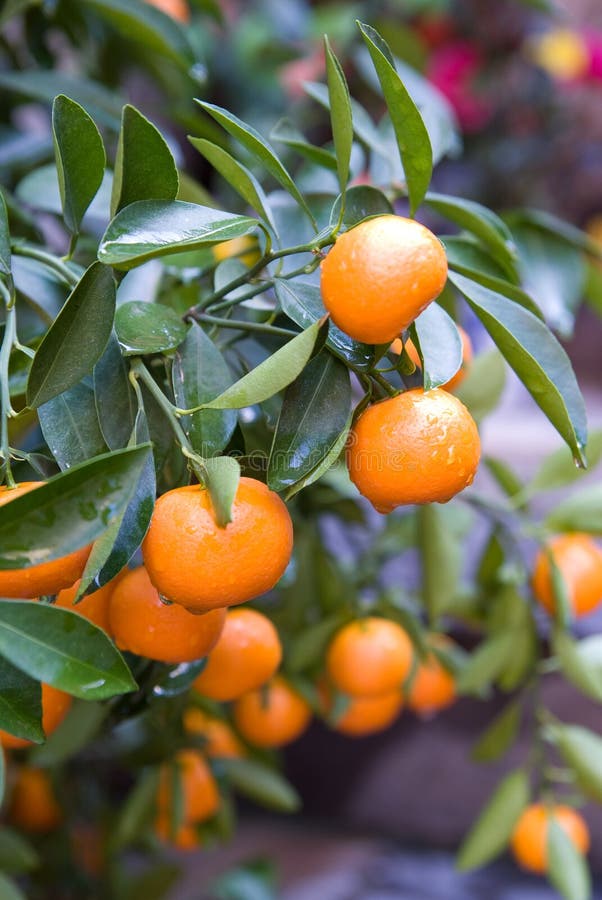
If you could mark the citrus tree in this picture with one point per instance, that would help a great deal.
(188, 391)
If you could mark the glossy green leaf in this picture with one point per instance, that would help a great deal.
(20, 703)
(5, 259)
(340, 113)
(440, 560)
(547, 222)
(361, 201)
(483, 386)
(64, 357)
(324, 466)
(80, 158)
(82, 724)
(39, 287)
(262, 785)
(363, 126)
(439, 346)
(481, 222)
(581, 749)
(238, 176)
(147, 25)
(16, 853)
(499, 736)
(493, 282)
(567, 869)
(273, 374)
(412, 137)
(308, 647)
(259, 148)
(581, 511)
(75, 507)
(10, 890)
(286, 132)
(536, 357)
(559, 469)
(222, 478)
(115, 399)
(200, 373)
(144, 166)
(486, 663)
(62, 648)
(491, 832)
(302, 302)
(588, 679)
(150, 228)
(70, 426)
(148, 328)
(314, 412)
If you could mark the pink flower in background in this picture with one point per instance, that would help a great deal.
(308, 68)
(454, 70)
(593, 41)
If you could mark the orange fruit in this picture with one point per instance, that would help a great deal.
(33, 804)
(177, 9)
(530, 836)
(246, 655)
(55, 706)
(579, 561)
(244, 248)
(460, 375)
(143, 624)
(432, 686)
(221, 742)
(416, 447)
(380, 276)
(95, 606)
(192, 561)
(369, 657)
(45, 578)
(185, 837)
(368, 715)
(200, 795)
(273, 715)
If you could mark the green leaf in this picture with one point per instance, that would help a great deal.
(314, 413)
(144, 166)
(137, 811)
(81, 725)
(150, 228)
(10, 890)
(258, 148)
(200, 373)
(302, 302)
(559, 469)
(70, 426)
(308, 646)
(412, 137)
(4, 238)
(238, 176)
(273, 374)
(536, 357)
(340, 113)
(504, 475)
(438, 344)
(483, 223)
(547, 222)
(286, 132)
(492, 831)
(16, 854)
(222, 478)
(582, 751)
(144, 328)
(115, 399)
(147, 25)
(499, 736)
(102, 103)
(567, 869)
(74, 508)
(20, 703)
(64, 357)
(363, 126)
(14, 7)
(262, 785)
(80, 158)
(361, 201)
(482, 388)
(486, 663)
(327, 463)
(587, 678)
(440, 560)
(581, 511)
(62, 648)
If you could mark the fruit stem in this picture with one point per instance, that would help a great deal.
(383, 383)
(51, 262)
(7, 410)
(139, 371)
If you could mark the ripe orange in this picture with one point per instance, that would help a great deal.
(417, 447)
(185, 837)
(432, 687)
(45, 578)
(529, 839)
(368, 715)
(221, 742)
(177, 9)
(192, 561)
(273, 715)
(244, 248)
(55, 706)
(579, 561)
(33, 804)
(380, 275)
(143, 624)
(246, 655)
(95, 606)
(200, 795)
(460, 375)
(369, 657)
